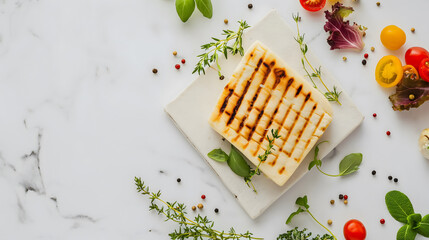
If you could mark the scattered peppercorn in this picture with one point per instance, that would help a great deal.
(222, 77)
(250, 6)
(390, 178)
(203, 196)
(329, 222)
(194, 208)
(346, 197)
(374, 172)
(341, 196)
(174, 53)
(346, 202)
(378, 3)
(216, 210)
(225, 21)
(372, 49)
(177, 66)
(364, 62)
(413, 30)
(411, 97)
(332, 201)
(200, 205)
(183, 61)
(382, 221)
(155, 71)
(374, 114)
(365, 55)
(344, 58)
(179, 180)
(388, 133)
(395, 180)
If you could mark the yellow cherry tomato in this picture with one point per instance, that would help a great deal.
(389, 72)
(393, 37)
(410, 69)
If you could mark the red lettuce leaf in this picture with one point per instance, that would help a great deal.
(342, 34)
(401, 99)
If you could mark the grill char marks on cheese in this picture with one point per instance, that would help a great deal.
(264, 94)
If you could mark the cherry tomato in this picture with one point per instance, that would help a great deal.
(409, 70)
(388, 71)
(415, 55)
(354, 230)
(424, 69)
(393, 37)
(312, 5)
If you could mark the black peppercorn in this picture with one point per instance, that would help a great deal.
(250, 6)
(216, 210)
(390, 178)
(364, 62)
(395, 180)
(155, 71)
(179, 180)
(374, 172)
(341, 196)
(222, 77)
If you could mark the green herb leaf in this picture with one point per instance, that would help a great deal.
(414, 219)
(296, 234)
(298, 211)
(302, 201)
(237, 163)
(406, 233)
(205, 7)
(316, 161)
(399, 206)
(185, 8)
(423, 228)
(218, 155)
(350, 163)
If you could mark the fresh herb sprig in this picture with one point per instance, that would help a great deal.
(401, 209)
(220, 46)
(296, 234)
(198, 228)
(185, 8)
(302, 202)
(237, 163)
(262, 158)
(334, 95)
(348, 165)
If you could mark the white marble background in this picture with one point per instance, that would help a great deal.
(82, 114)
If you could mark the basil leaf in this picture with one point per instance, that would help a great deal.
(185, 8)
(350, 163)
(218, 155)
(406, 233)
(205, 7)
(423, 228)
(399, 206)
(289, 219)
(414, 219)
(314, 163)
(237, 163)
(302, 201)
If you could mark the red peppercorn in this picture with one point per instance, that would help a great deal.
(177, 66)
(388, 133)
(203, 196)
(183, 61)
(346, 197)
(382, 221)
(365, 55)
(374, 115)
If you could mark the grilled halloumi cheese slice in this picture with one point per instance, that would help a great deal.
(264, 94)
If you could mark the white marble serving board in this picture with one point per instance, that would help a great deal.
(190, 112)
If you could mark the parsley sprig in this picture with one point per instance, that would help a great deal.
(262, 158)
(333, 95)
(220, 46)
(198, 228)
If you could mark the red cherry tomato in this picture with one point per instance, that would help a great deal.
(424, 69)
(354, 230)
(312, 5)
(415, 55)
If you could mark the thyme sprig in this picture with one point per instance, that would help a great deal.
(198, 228)
(333, 95)
(262, 158)
(220, 46)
